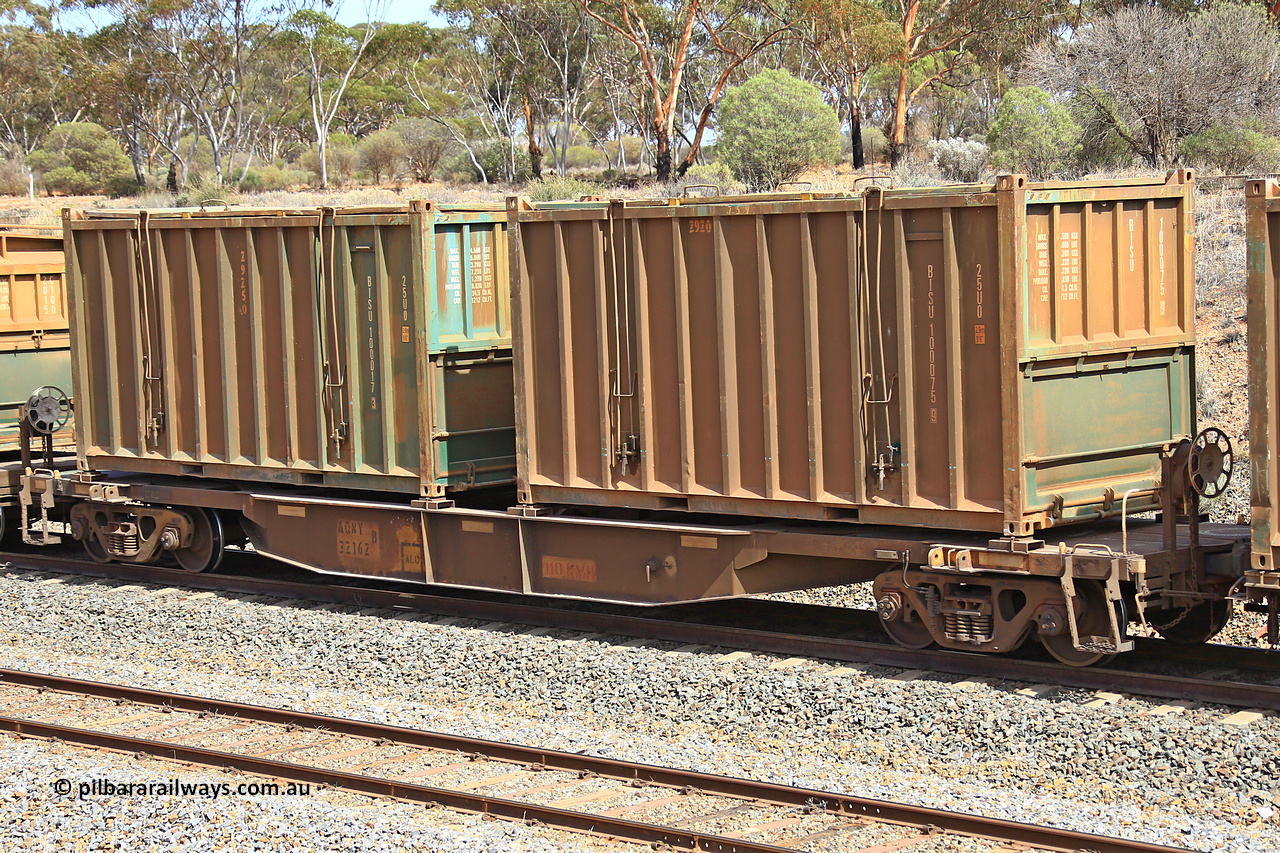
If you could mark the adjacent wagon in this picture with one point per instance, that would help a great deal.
(34, 349)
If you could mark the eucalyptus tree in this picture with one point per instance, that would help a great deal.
(328, 54)
(205, 55)
(1151, 77)
(38, 84)
(544, 51)
(667, 35)
(847, 38)
(470, 92)
(938, 38)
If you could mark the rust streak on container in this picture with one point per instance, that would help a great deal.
(731, 481)
(684, 358)
(610, 409)
(955, 380)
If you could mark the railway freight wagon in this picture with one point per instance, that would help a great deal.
(353, 349)
(1262, 226)
(707, 395)
(34, 348)
(1003, 358)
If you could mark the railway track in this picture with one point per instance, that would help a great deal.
(1226, 682)
(622, 800)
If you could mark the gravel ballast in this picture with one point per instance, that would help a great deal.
(1182, 778)
(36, 817)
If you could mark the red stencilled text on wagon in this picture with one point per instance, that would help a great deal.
(569, 569)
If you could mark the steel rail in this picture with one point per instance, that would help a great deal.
(842, 805)
(1219, 692)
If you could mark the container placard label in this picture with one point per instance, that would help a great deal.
(51, 295)
(569, 569)
(453, 278)
(358, 541)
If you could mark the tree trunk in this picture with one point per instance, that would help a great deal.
(857, 154)
(535, 150)
(139, 168)
(172, 182)
(703, 118)
(898, 142)
(662, 151)
(324, 160)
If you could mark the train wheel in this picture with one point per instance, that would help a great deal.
(893, 619)
(206, 548)
(1191, 625)
(1092, 620)
(94, 549)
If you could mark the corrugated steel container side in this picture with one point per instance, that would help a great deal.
(325, 346)
(1262, 227)
(745, 355)
(34, 344)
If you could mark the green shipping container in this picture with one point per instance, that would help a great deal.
(1006, 357)
(363, 348)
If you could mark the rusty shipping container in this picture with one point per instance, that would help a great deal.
(998, 357)
(34, 345)
(1262, 227)
(363, 348)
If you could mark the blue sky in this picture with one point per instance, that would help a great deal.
(397, 12)
(349, 12)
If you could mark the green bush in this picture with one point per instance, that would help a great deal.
(584, 157)
(556, 188)
(1232, 150)
(201, 190)
(875, 145)
(495, 157)
(773, 127)
(713, 174)
(1101, 148)
(1033, 135)
(958, 159)
(632, 148)
(272, 178)
(340, 155)
(81, 158)
(382, 153)
(425, 145)
(13, 178)
(457, 168)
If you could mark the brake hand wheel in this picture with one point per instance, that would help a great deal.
(1211, 463)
